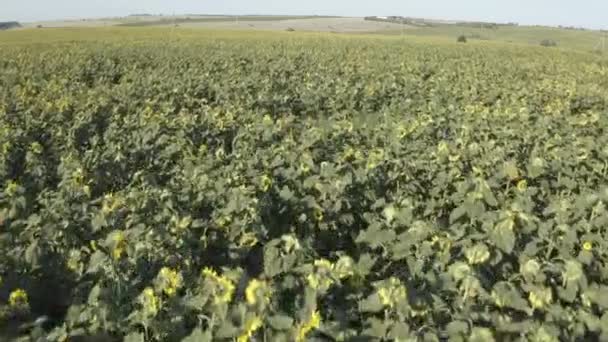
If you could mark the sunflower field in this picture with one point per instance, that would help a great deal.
(294, 187)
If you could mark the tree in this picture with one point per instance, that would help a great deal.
(548, 43)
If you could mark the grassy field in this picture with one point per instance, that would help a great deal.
(271, 23)
(577, 40)
(189, 184)
(586, 40)
(583, 40)
(335, 25)
(213, 19)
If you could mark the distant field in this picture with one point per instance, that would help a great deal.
(340, 25)
(298, 23)
(72, 23)
(582, 40)
(573, 39)
(135, 21)
(195, 184)
(209, 19)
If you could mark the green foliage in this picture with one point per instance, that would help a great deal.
(7, 25)
(289, 187)
(462, 39)
(548, 43)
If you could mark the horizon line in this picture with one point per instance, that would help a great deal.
(455, 21)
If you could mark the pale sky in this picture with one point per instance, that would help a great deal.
(587, 13)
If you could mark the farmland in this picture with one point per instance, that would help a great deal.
(585, 40)
(199, 185)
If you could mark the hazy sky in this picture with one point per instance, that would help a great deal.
(588, 13)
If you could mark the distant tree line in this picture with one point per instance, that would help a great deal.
(6, 25)
(400, 20)
(422, 22)
(486, 25)
(572, 28)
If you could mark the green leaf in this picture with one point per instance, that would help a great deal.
(488, 195)
(376, 328)
(474, 209)
(457, 329)
(198, 335)
(545, 334)
(280, 322)
(371, 304)
(535, 167)
(592, 322)
(272, 261)
(226, 330)
(74, 314)
(32, 254)
(573, 272)
(98, 223)
(134, 337)
(389, 213)
(376, 237)
(459, 270)
(457, 214)
(198, 223)
(365, 264)
(94, 295)
(585, 257)
(477, 254)
(531, 268)
(399, 331)
(502, 235)
(286, 194)
(195, 302)
(510, 170)
(481, 335)
(598, 295)
(505, 295)
(430, 336)
(96, 262)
